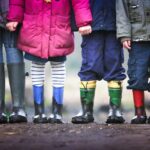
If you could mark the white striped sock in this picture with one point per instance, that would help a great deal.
(58, 70)
(37, 73)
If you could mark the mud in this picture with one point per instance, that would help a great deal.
(68, 136)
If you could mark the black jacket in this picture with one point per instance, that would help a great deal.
(4, 5)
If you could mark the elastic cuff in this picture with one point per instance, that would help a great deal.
(114, 84)
(87, 84)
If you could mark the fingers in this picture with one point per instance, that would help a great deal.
(127, 44)
(15, 25)
(11, 26)
(85, 30)
(47, 1)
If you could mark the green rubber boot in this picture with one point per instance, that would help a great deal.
(115, 93)
(87, 94)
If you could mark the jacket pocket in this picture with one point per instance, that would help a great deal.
(28, 32)
(131, 68)
(63, 22)
(63, 34)
(63, 39)
(147, 10)
(134, 11)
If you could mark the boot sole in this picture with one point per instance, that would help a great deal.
(17, 119)
(82, 121)
(55, 121)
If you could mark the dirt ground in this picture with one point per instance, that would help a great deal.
(74, 137)
(95, 136)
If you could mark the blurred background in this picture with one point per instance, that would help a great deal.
(72, 95)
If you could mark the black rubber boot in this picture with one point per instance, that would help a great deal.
(148, 120)
(39, 117)
(16, 74)
(56, 116)
(86, 117)
(140, 116)
(3, 117)
(115, 116)
(17, 116)
(139, 120)
(87, 96)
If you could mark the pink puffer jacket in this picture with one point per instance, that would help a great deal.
(46, 30)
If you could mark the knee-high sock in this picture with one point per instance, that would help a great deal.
(38, 76)
(37, 73)
(138, 97)
(58, 78)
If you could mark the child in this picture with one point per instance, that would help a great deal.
(133, 29)
(102, 58)
(16, 73)
(46, 36)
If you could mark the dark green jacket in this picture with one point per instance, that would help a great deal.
(133, 19)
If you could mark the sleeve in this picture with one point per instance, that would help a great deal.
(122, 19)
(16, 10)
(4, 5)
(0, 8)
(82, 12)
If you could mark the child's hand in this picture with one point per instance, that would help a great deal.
(11, 26)
(85, 30)
(47, 1)
(127, 44)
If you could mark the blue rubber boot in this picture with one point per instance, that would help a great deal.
(57, 105)
(38, 93)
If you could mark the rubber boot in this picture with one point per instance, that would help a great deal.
(140, 114)
(115, 93)
(57, 105)
(87, 93)
(3, 116)
(40, 117)
(16, 75)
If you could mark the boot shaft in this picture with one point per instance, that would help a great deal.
(57, 100)
(115, 93)
(56, 108)
(2, 87)
(38, 94)
(87, 94)
(39, 108)
(138, 97)
(16, 75)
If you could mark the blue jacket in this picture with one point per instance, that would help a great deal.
(104, 14)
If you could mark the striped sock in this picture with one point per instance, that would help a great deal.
(37, 73)
(58, 73)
